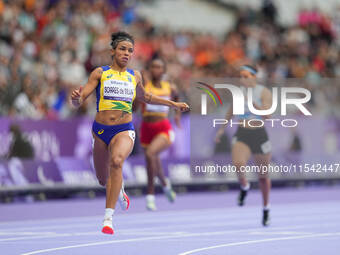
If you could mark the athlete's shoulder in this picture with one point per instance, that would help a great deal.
(104, 68)
(97, 73)
(131, 71)
(98, 70)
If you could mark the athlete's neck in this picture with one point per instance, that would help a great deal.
(156, 82)
(116, 67)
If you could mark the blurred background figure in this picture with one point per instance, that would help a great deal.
(156, 134)
(20, 146)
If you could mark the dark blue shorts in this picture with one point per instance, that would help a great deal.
(106, 133)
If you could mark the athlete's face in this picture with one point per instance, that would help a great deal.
(247, 78)
(122, 53)
(157, 69)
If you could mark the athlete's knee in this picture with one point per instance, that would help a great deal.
(150, 154)
(263, 177)
(116, 162)
(239, 163)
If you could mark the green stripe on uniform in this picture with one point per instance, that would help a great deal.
(126, 106)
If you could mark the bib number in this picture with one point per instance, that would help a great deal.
(118, 90)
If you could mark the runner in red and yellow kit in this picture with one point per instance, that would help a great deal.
(156, 132)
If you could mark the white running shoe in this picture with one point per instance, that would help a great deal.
(150, 202)
(169, 192)
(123, 199)
(107, 226)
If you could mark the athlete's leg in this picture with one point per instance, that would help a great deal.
(240, 154)
(119, 149)
(150, 197)
(100, 160)
(157, 145)
(160, 171)
(150, 186)
(265, 185)
(264, 180)
(165, 182)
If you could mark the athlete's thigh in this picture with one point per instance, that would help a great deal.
(240, 153)
(262, 160)
(121, 145)
(158, 144)
(100, 157)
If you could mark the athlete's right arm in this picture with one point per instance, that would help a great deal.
(78, 96)
(220, 131)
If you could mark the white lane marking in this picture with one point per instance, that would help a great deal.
(158, 217)
(177, 220)
(54, 227)
(279, 233)
(10, 233)
(139, 214)
(150, 229)
(141, 233)
(259, 241)
(48, 236)
(319, 205)
(101, 243)
(124, 231)
(96, 233)
(140, 239)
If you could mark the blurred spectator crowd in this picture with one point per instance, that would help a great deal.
(48, 48)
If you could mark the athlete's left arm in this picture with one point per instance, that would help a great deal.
(78, 96)
(153, 99)
(266, 98)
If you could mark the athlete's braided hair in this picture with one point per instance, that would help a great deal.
(120, 37)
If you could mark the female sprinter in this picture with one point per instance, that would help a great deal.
(156, 132)
(113, 132)
(251, 140)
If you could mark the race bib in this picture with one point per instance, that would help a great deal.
(132, 135)
(118, 90)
